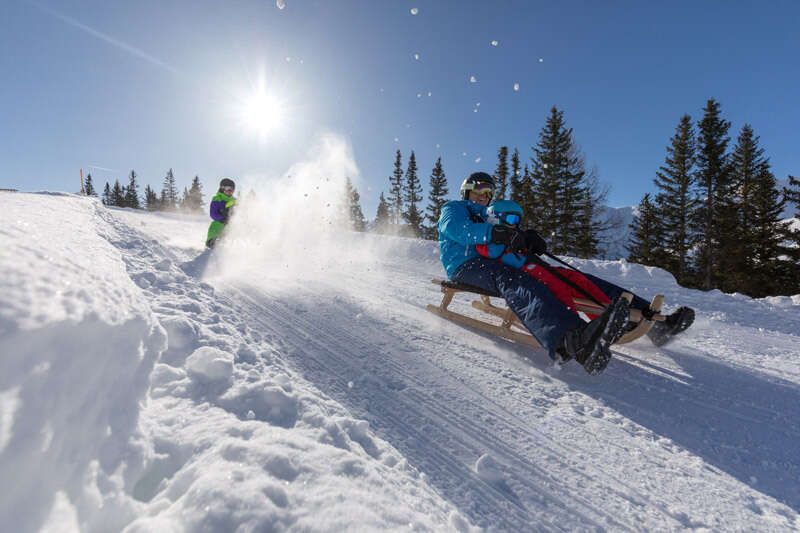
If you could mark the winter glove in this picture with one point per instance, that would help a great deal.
(510, 237)
(534, 242)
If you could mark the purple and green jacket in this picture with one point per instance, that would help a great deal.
(220, 210)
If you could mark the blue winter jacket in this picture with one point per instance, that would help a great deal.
(462, 225)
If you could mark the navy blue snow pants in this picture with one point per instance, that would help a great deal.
(538, 309)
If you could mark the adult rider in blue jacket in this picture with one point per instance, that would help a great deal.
(463, 225)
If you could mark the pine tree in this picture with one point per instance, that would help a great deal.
(354, 215)
(150, 199)
(676, 200)
(753, 262)
(183, 203)
(396, 190)
(713, 216)
(437, 193)
(792, 194)
(89, 186)
(588, 227)
(791, 276)
(169, 192)
(382, 216)
(117, 195)
(525, 197)
(194, 197)
(516, 176)
(768, 235)
(560, 190)
(646, 235)
(132, 192)
(107, 194)
(413, 195)
(501, 173)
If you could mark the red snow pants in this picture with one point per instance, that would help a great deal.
(564, 292)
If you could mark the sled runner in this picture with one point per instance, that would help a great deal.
(512, 329)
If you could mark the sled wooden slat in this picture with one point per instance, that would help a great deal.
(500, 331)
(644, 325)
(510, 320)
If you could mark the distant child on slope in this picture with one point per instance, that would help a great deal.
(221, 208)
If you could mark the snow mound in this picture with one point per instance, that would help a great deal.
(133, 395)
(208, 364)
(78, 342)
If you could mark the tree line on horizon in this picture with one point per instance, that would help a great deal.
(559, 195)
(191, 201)
(715, 219)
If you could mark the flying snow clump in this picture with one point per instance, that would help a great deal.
(516, 87)
(473, 79)
(280, 3)
(495, 43)
(416, 56)
(414, 10)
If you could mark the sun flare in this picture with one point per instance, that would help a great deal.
(262, 113)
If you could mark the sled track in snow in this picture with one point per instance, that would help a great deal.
(406, 413)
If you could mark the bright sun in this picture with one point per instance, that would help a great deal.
(262, 113)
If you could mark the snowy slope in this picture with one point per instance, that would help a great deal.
(296, 381)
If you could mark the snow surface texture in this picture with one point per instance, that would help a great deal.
(296, 381)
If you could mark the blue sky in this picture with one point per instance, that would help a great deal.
(151, 85)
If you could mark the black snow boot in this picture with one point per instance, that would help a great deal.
(663, 332)
(590, 344)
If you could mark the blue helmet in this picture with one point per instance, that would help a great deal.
(506, 212)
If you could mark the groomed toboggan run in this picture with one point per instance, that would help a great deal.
(300, 383)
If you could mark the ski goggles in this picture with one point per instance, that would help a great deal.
(228, 190)
(485, 189)
(512, 219)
